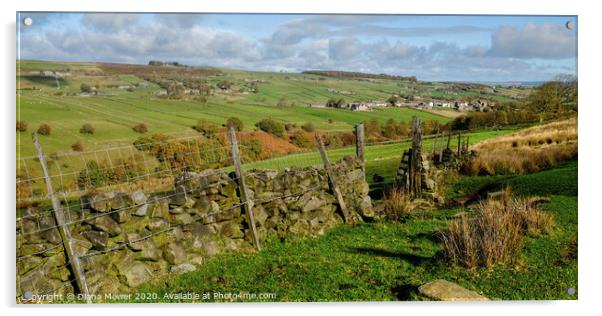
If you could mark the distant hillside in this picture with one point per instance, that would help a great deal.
(352, 75)
(145, 70)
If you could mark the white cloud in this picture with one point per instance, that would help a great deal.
(109, 21)
(316, 42)
(534, 41)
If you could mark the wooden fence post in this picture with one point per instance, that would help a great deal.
(459, 141)
(359, 146)
(59, 216)
(434, 144)
(247, 203)
(416, 158)
(332, 179)
(441, 148)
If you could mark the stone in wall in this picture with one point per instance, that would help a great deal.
(126, 239)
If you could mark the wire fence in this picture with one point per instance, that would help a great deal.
(83, 183)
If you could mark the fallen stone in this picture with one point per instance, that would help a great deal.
(441, 290)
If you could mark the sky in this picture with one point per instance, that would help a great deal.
(430, 47)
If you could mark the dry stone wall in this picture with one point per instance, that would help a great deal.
(124, 240)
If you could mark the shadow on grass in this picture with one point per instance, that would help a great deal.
(406, 292)
(377, 252)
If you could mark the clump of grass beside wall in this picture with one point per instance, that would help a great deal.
(495, 232)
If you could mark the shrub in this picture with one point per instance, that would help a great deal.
(393, 99)
(398, 205)
(332, 140)
(200, 99)
(92, 176)
(332, 103)
(494, 232)
(143, 143)
(77, 146)
(224, 85)
(282, 102)
(21, 126)
(189, 154)
(302, 139)
(252, 149)
(236, 123)
(309, 127)
(270, 126)
(289, 126)
(44, 129)
(347, 139)
(206, 128)
(140, 128)
(87, 129)
(86, 88)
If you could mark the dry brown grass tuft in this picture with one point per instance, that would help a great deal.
(526, 151)
(398, 204)
(494, 233)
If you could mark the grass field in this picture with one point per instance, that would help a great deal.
(385, 261)
(116, 111)
(113, 117)
(381, 159)
(377, 261)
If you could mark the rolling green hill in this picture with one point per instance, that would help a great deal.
(286, 97)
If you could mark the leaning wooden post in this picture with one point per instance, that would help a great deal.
(332, 179)
(59, 216)
(359, 146)
(459, 141)
(244, 197)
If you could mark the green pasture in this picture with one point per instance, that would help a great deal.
(385, 261)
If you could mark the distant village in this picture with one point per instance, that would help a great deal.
(460, 106)
(171, 88)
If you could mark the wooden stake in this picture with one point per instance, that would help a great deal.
(441, 149)
(332, 179)
(359, 146)
(244, 197)
(416, 165)
(72, 256)
(459, 142)
(435, 143)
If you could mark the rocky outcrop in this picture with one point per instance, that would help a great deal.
(125, 240)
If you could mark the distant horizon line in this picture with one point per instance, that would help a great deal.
(532, 82)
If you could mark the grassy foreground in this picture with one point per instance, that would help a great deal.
(385, 261)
